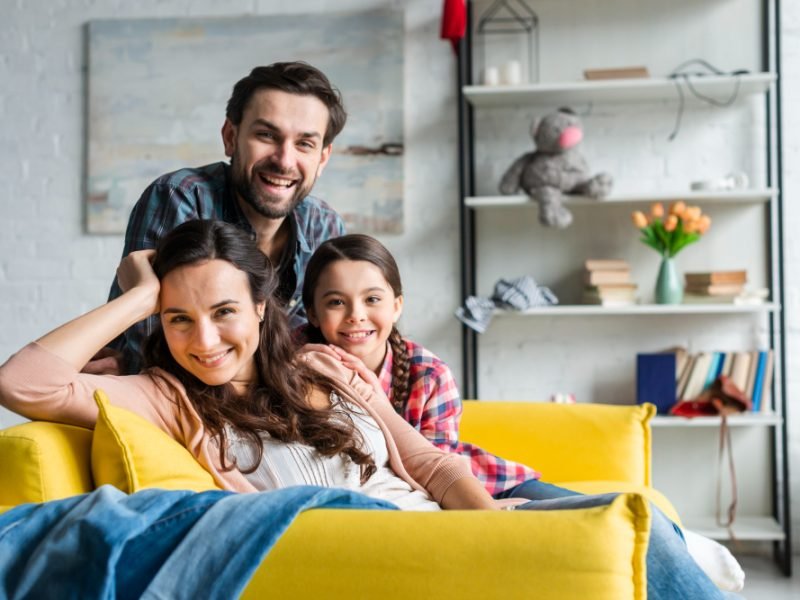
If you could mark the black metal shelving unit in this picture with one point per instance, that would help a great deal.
(771, 36)
(771, 11)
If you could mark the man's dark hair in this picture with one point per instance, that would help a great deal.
(294, 78)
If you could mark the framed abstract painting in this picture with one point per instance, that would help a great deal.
(158, 90)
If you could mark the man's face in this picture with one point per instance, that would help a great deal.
(277, 151)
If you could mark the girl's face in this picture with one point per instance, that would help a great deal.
(210, 322)
(355, 308)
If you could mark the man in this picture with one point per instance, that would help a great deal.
(280, 123)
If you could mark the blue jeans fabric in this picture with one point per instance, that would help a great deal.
(151, 544)
(672, 573)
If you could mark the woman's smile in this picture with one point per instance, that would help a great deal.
(213, 360)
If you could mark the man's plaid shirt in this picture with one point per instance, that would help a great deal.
(434, 409)
(206, 193)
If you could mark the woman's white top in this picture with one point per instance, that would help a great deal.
(286, 464)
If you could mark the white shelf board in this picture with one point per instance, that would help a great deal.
(719, 87)
(756, 196)
(638, 309)
(766, 419)
(744, 528)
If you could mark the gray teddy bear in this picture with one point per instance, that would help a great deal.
(555, 168)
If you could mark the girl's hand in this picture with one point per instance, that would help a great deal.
(351, 361)
(135, 271)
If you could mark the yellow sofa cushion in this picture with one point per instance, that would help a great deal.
(604, 559)
(577, 442)
(132, 454)
(42, 461)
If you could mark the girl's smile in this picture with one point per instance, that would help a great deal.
(357, 336)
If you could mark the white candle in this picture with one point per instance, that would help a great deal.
(491, 76)
(511, 73)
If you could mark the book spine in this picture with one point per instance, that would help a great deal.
(759, 381)
(751, 374)
(685, 375)
(766, 394)
(655, 380)
(727, 364)
(739, 370)
(697, 378)
(713, 368)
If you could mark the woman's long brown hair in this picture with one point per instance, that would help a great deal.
(277, 403)
(362, 247)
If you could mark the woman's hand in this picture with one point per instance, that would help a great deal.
(79, 340)
(135, 271)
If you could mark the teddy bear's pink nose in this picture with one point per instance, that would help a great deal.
(570, 137)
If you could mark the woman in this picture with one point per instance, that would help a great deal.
(224, 382)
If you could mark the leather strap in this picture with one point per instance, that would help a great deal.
(726, 446)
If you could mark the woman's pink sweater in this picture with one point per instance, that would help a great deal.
(40, 385)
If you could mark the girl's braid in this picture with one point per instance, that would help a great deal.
(401, 370)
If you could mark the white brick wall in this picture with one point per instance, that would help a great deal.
(50, 270)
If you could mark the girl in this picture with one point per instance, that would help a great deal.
(353, 295)
(224, 381)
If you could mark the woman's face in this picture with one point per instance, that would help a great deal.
(355, 309)
(210, 322)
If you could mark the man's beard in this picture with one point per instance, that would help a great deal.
(263, 203)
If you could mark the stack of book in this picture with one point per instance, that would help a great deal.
(663, 378)
(608, 283)
(751, 372)
(714, 286)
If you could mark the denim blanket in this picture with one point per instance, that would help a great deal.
(153, 544)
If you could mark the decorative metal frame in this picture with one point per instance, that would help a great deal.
(522, 19)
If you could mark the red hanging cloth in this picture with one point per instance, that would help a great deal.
(454, 21)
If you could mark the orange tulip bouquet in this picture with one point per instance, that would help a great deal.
(683, 225)
(668, 233)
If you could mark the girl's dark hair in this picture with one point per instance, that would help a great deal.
(298, 78)
(277, 402)
(362, 247)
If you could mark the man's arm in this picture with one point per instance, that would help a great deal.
(161, 208)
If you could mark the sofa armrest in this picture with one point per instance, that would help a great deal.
(596, 553)
(575, 442)
(44, 461)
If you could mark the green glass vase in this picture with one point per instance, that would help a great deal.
(669, 289)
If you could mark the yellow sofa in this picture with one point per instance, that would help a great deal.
(594, 553)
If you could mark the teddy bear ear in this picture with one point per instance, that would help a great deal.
(535, 126)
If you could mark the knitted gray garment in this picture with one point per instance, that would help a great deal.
(516, 294)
